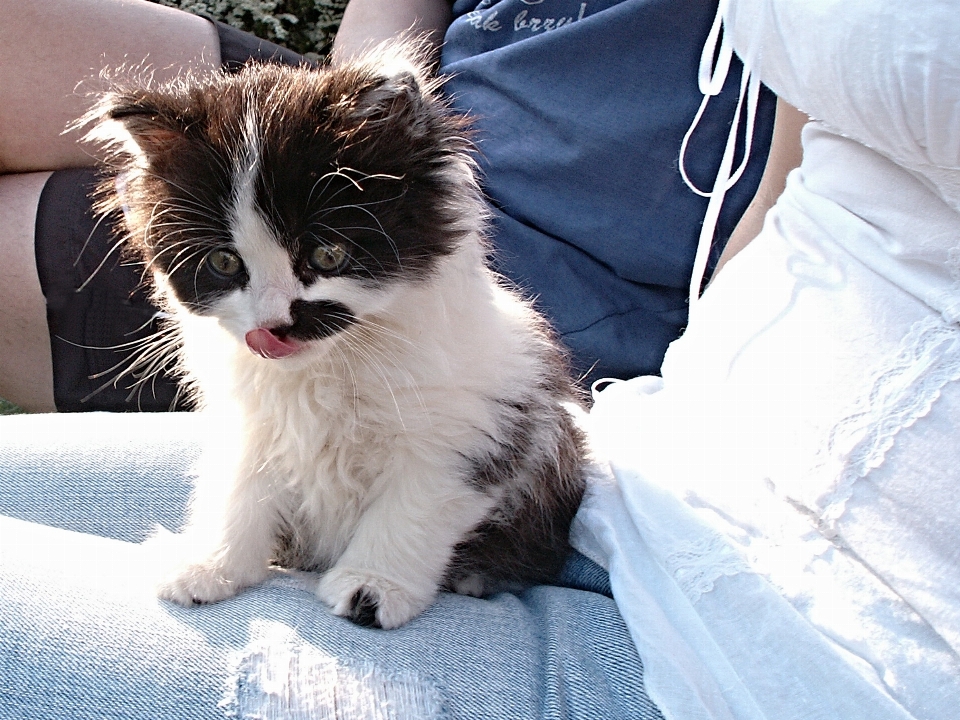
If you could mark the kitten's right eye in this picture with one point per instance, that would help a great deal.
(224, 263)
(327, 258)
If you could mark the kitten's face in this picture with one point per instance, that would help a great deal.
(289, 203)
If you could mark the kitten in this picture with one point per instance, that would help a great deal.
(400, 418)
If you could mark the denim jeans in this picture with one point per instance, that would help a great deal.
(82, 636)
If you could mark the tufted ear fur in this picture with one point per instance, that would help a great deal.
(137, 123)
(398, 91)
(139, 128)
(395, 87)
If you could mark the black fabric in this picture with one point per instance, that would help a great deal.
(97, 306)
(237, 47)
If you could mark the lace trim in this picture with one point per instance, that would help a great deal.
(927, 359)
(697, 565)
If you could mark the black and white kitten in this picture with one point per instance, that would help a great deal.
(396, 417)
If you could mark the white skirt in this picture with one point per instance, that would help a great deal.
(782, 521)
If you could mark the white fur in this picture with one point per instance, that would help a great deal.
(360, 437)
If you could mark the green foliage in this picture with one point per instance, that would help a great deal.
(306, 26)
(8, 408)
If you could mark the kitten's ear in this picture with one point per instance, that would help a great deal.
(399, 91)
(135, 124)
(398, 83)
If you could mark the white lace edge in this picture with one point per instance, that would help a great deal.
(903, 391)
(697, 565)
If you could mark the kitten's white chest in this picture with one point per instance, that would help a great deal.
(328, 448)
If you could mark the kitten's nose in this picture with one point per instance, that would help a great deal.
(268, 344)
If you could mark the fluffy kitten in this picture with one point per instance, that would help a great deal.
(394, 416)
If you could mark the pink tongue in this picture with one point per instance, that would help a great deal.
(265, 344)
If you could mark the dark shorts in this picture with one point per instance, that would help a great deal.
(98, 307)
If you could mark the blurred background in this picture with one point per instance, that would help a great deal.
(306, 26)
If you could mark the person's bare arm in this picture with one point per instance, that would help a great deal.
(367, 23)
(785, 154)
(50, 47)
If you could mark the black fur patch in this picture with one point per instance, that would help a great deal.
(525, 540)
(509, 452)
(314, 320)
(363, 609)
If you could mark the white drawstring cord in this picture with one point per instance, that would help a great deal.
(714, 68)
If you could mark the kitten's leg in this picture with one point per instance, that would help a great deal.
(229, 539)
(392, 567)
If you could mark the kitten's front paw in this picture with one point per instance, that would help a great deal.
(371, 600)
(198, 583)
(189, 579)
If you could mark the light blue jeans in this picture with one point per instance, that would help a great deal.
(81, 637)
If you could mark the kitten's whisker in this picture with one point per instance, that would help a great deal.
(358, 246)
(375, 220)
(360, 352)
(117, 347)
(369, 176)
(386, 332)
(326, 200)
(86, 243)
(346, 365)
(379, 229)
(366, 342)
(200, 243)
(187, 204)
(113, 248)
(327, 209)
(182, 260)
(200, 202)
(383, 334)
(343, 173)
(326, 176)
(178, 221)
(157, 352)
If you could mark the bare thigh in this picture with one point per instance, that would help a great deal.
(51, 53)
(26, 372)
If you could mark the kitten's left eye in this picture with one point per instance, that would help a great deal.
(326, 258)
(224, 262)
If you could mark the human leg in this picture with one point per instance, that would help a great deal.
(51, 53)
(369, 22)
(82, 636)
(70, 310)
(25, 368)
(108, 474)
